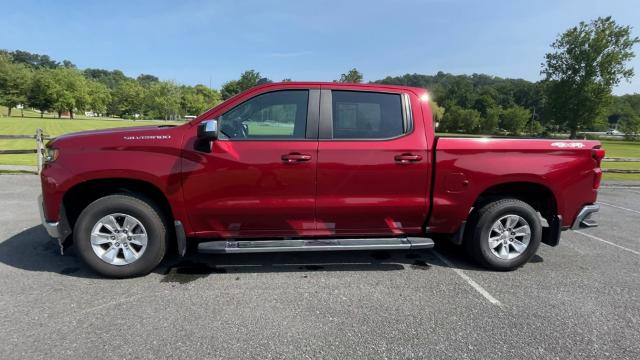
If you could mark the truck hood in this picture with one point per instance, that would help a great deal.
(113, 136)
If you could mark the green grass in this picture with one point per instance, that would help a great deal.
(53, 127)
(617, 148)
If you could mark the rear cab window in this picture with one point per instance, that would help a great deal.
(368, 115)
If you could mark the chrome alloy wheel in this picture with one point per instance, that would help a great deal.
(509, 237)
(119, 239)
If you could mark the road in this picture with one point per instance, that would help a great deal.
(580, 300)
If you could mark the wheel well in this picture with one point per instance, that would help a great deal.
(81, 195)
(538, 196)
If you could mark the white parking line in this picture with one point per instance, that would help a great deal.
(608, 242)
(469, 280)
(619, 207)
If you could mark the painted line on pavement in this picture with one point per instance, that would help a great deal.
(469, 280)
(607, 242)
(619, 207)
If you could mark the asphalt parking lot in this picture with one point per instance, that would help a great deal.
(578, 300)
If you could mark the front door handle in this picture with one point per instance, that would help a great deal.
(295, 157)
(407, 158)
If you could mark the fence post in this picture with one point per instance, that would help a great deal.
(39, 148)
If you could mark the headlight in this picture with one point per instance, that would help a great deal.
(50, 155)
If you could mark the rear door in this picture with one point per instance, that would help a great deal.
(259, 178)
(373, 164)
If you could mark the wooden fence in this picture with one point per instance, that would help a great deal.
(40, 137)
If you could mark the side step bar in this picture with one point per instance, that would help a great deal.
(253, 246)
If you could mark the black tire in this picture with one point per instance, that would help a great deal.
(479, 226)
(145, 211)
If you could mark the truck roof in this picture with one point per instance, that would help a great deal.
(341, 85)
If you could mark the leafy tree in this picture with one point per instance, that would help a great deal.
(71, 92)
(196, 100)
(457, 119)
(490, 120)
(99, 96)
(248, 79)
(514, 119)
(352, 76)
(14, 83)
(230, 89)
(110, 79)
(35, 61)
(146, 80)
(163, 100)
(43, 90)
(437, 111)
(128, 99)
(630, 126)
(588, 61)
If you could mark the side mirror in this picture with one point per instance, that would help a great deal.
(207, 132)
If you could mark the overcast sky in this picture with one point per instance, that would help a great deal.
(214, 41)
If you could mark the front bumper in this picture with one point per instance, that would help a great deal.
(583, 219)
(59, 230)
(53, 228)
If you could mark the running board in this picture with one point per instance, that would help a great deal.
(253, 246)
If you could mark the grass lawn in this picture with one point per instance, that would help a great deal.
(53, 127)
(616, 148)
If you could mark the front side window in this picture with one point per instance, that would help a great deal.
(274, 115)
(366, 115)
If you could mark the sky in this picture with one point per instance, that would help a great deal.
(211, 42)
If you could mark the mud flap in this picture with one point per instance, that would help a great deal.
(551, 234)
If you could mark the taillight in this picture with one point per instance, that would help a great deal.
(598, 154)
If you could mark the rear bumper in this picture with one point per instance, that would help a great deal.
(583, 219)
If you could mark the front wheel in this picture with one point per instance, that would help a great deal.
(121, 236)
(503, 234)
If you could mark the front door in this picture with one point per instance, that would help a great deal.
(259, 178)
(373, 164)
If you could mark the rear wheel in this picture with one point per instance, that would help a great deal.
(121, 236)
(503, 234)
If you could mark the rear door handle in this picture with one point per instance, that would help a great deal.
(407, 158)
(295, 157)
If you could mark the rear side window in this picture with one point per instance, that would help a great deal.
(366, 115)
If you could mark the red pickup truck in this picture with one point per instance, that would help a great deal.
(311, 166)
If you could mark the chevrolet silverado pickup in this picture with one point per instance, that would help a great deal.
(309, 166)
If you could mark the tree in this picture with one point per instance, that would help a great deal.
(14, 83)
(588, 61)
(630, 126)
(197, 99)
(162, 100)
(110, 79)
(248, 79)
(514, 119)
(490, 120)
(146, 80)
(42, 92)
(352, 76)
(128, 99)
(71, 91)
(457, 119)
(99, 96)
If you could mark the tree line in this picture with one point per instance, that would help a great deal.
(41, 83)
(575, 94)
